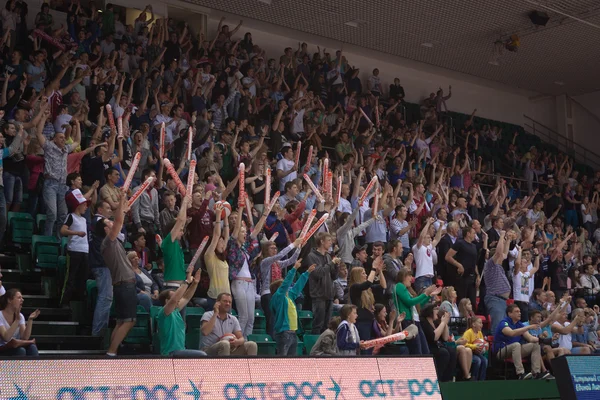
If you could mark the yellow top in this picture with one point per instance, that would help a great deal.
(470, 337)
(218, 272)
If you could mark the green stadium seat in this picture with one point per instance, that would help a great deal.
(309, 342)
(193, 317)
(140, 334)
(38, 240)
(21, 226)
(305, 319)
(260, 321)
(300, 348)
(47, 256)
(63, 245)
(40, 222)
(266, 344)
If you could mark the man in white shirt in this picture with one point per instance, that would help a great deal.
(286, 167)
(424, 252)
(297, 125)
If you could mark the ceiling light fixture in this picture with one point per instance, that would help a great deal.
(265, 1)
(427, 44)
(494, 62)
(355, 23)
(559, 83)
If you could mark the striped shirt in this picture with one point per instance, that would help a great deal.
(495, 279)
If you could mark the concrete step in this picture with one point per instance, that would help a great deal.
(68, 342)
(66, 328)
(39, 300)
(48, 314)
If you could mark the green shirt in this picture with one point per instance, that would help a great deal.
(171, 332)
(173, 259)
(404, 302)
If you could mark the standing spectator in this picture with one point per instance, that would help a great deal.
(146, 215)
(496, 283)
(463, 256)
(55, 171)
(523, 282)
(5, 153)
(424, 252)
(175, 271)
(326, 344)
(286, 168)
(404, 302)
(283, 308)
(123, 278)
(75, 228)
(321, 280)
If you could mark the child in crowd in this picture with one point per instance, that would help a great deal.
(478, 345)
(348, 340)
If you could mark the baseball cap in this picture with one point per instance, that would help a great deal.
(358, 249)
(74, 199)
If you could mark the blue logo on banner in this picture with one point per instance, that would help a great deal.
(288, 390)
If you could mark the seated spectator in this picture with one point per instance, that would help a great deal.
(15, 333)
(224, 338)
(435, 328)
(326, 344)
(507, 344)
(171, 327)
(283, 309)
(347, 338)
(476, 343)
(566, 330)
(382, 326)
(146, 287)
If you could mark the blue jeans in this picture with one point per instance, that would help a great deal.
(145, 301)
(479, 367)
(245, 301)
(105, 297)
(31, 351)
(422, 282)
(496, 307)
(56, 207)
(2, 214)
(287, 343)
(13, 188)
(418, 345)
(188, 353)
(571, 218)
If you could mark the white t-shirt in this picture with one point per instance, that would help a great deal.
(298, 123)
(245, 271)
(76, 243)
(5, 324)
(564, 341)
(523, 285)
(285, 165)
(585, 217)
(60, 122)
(424, 260)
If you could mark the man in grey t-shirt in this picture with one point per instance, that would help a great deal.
(123, 277)
(221, 331)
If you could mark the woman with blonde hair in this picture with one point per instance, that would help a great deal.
(449, 301)
(360, 289)
(465, 309)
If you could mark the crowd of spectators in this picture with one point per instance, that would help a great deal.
(437, 246)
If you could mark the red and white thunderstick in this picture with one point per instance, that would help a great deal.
(275, 236)
(242, 185)
(339, 189)
(365, 115)
(325, 174)
(330, 183)
(141, 190)
(267, 185)
(367, 190)
(190, 138)
(161, 146)
(309, 221)
(376, 202)
(308, 159)
(175, 176)
(314, 229)
(377, 111)
(199, 251)
(111, 117)
(248, 209)
(367, 344)
(158, 239)
(134, 167)
(190, 181)
(298, 148)
(314, 188)
(272, 203)
(120, 127)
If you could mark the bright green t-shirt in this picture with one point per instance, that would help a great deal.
(173, 259)
(171, 332)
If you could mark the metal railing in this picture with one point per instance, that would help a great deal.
(579, 153)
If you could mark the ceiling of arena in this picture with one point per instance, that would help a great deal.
(562, 57)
